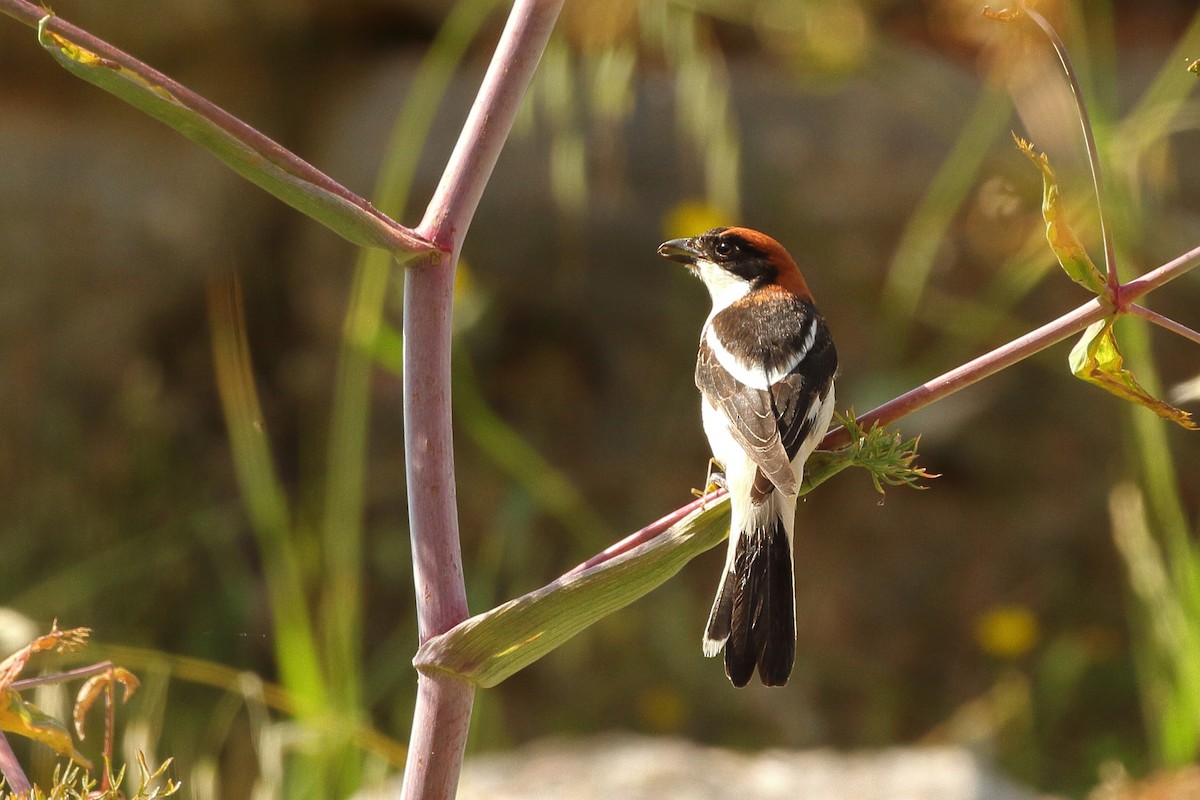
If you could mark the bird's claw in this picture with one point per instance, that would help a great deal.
(715, 479)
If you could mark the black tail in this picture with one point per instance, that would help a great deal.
(762, 608)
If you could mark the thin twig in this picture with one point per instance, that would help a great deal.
(110, 726)
(61, 677)
(1164, 322)
(1089, 140)
(1016, 350)
(977, 369)
(1160, 275)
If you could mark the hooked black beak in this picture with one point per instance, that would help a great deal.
(680, 250)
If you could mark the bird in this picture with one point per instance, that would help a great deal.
(765, 372)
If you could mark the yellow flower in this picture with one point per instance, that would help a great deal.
(690, 217)
(1007, 631)
(661, 708)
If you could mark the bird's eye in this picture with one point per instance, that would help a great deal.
(724, 248)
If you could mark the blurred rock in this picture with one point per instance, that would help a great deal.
(636, 768)
(16, 631)
(1180, 784)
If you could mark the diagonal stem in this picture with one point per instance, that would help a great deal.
(10, 769)
(1165, 322)
(470, 166)
(977, 369)
(400, 238)
(61, 677)
(1016, 350)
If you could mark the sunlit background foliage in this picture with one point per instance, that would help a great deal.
(1038, 603)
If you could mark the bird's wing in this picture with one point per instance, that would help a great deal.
(770, 424)
(753, 415)
(799, 395)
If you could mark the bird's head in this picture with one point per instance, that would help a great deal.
(733, 262)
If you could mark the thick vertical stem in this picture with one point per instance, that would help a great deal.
(429, 446)
(443, 710)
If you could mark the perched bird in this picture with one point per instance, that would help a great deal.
(765, 372)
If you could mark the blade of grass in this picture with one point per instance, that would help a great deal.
(266, 501)
(1152, 449)
(276, 697)
(1167, 94)
(1169, 633)
(553, 492)
(911, 265)
(1089, 140)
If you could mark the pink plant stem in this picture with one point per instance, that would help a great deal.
(1016, 350)
(10, 768)
(1160, 276)
(62, 677)
(649, 532)
(443, 709)
(977, 369)
(1165, 322)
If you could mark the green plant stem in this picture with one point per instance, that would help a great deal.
(1169, 92)
(1174, 703)
(266, 501)
(912, 263)
(554, 493)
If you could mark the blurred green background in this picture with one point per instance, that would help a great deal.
(871, 137)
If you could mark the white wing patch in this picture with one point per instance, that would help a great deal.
(753, 375)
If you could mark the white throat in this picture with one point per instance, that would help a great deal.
(724, 287)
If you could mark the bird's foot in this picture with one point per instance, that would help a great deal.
(715, 479)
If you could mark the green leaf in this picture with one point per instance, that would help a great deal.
(886, 456)
(266, 499)
(490, 647)
(248, 153)
(1066, 246)
(1096, 359)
